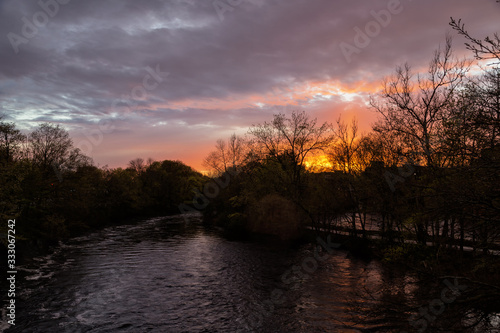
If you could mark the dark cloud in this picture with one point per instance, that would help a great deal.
(85, 63)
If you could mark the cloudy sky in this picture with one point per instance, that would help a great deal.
(166, 79)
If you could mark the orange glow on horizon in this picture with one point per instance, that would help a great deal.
(320, 163)
(327, 99)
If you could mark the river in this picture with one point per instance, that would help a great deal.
(165, 275)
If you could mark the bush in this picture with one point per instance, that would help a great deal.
(407, 253)
(275, 215)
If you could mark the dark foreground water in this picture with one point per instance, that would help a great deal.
(163, 275)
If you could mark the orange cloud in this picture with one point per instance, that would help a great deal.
(293, 94)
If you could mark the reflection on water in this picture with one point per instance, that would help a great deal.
(162, 275)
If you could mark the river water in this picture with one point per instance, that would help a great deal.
(165, 275)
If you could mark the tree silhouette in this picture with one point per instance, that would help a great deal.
(10, 142)
(412, 107)
(488, 48)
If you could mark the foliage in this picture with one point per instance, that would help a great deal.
(54, 192)
(427, 173)
(410, 253)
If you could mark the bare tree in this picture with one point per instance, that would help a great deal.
(51, 147)
(413, 106)
(472, 122)
(236, 151)
(137, 164)
(290, 140)
(346, 148)
(230, 154)
(487, 88)
(379, 148)
(488, 48)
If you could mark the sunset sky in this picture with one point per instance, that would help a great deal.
(166, 79)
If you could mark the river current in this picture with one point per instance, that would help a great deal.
(165, 275)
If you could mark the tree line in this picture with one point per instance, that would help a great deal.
(428, 171)
(54, 191)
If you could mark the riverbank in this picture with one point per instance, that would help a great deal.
(435, 266)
